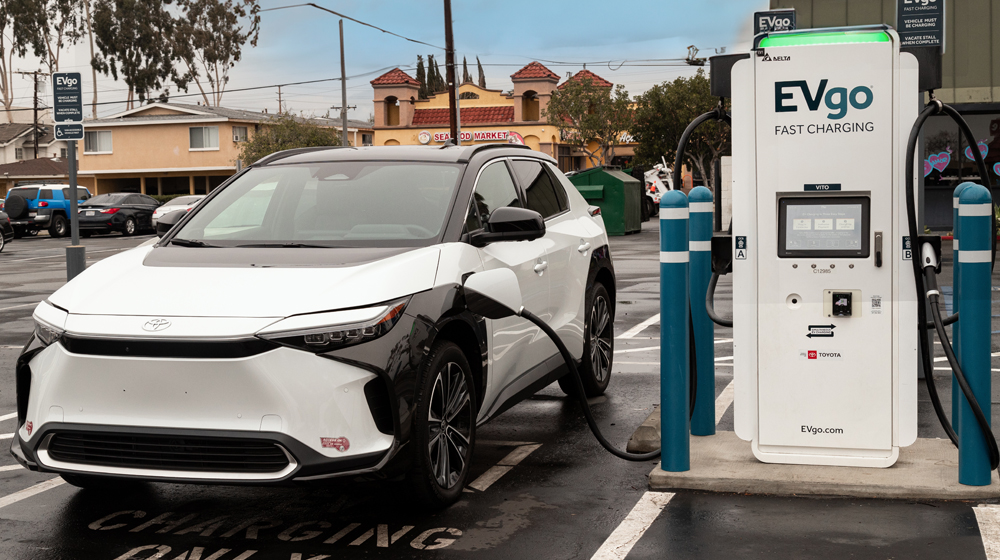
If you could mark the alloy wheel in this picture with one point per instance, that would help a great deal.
(129, 226)
(449, 421)
(600, 339)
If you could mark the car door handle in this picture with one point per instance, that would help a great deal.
(584, 247)
(540, 267)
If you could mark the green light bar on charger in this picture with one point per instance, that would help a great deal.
(841, 37)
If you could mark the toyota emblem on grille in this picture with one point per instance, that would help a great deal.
(156, 325)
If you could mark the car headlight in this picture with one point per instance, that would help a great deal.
(336, 329)
(46, 333)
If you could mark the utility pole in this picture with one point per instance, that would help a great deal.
(449, 62)
(34, 123)
(343, 89)
(279, 100)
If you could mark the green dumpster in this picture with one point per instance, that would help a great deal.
(618, 195)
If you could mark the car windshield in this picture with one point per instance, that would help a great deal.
(183, 201)
(337, 204)
(105, 200)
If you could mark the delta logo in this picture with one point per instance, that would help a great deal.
(769, 58)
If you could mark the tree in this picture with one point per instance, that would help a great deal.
(466, 77)
(15, 39)
(482, 75)
(52, 25)
(664, 111)
(137, 39)
(422, 78)
(586, 113)
(437, 83)
(214, 33)
(284, 132)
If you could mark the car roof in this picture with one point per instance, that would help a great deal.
(438, 154)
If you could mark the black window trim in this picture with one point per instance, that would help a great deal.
(524, 193)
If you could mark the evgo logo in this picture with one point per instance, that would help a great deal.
(836, 99)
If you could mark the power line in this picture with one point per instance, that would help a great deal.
(355, 21)
(272, 86)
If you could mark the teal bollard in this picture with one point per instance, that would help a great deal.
(675, 423)
(972, 268)
(956, 391)
(700, 248)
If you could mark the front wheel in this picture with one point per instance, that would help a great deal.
(2, 242)
(444, 427)
(598, 345)
(130, 227)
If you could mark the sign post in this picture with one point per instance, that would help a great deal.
(67, 111)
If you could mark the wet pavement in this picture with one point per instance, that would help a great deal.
(542, 486)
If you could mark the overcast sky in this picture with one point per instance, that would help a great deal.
(301, 44)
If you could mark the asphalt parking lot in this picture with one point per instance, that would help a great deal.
(542, 487)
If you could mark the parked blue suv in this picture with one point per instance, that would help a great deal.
(36, 207)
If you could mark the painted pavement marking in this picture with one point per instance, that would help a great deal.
(640, 327)
(8, 416)
(988, 517)
(29, 492)
(503, 467)
(723, 403)
(620, 542)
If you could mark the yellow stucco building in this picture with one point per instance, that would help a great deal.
(487, 115)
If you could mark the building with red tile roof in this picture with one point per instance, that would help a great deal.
(587, 74)
(402, 118)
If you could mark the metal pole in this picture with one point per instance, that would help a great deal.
(343, 89)
(76, 254)
(458, 119)
(675, 423)
(34, 124)
(975, 211)
(700, 251)
(449, 62)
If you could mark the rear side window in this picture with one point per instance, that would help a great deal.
(539, 188)
(29, 194)
(81, 194)
(45, 194)
(495, 189)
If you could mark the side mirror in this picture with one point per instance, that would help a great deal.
(494, 294)
(168, 221)
(510, 224)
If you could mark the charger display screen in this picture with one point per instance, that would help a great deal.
(823, 227)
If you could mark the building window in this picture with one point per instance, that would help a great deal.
(97, 142)
(367, 139)
(63, 153)
(529, 106)
(204, 138)
(18, 154)
(239, 134)
(468, 95)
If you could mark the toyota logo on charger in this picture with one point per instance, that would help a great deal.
(154, 325)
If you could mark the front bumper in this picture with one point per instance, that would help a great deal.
(292, 399)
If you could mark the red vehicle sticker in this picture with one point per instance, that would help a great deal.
(338, 443)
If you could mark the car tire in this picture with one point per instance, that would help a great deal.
(16, 206)
(598, 345)
(3, 243)
(444, 427)
(129, 228)
(31, 232)
(646, 211)
(59, 227)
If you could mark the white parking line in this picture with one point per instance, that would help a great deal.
(988, 518)
(29, 492)
(10, 468)
(8, 416)
(19, 306)
(494, 473)
(640, 327)
(723, 402)
(6, 436)
(643, 349)
(624, 537)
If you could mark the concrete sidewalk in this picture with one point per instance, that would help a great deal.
(927, 470)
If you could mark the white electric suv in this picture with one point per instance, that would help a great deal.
(308, 321)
